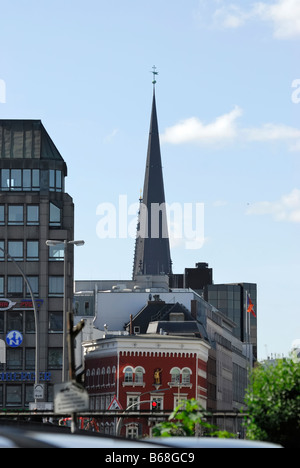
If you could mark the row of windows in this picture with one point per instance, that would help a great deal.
(29, 180)
(15, 286)
(178, 376)
(18, 395)
(16, 249)
(23, 321)
(19, 215)
(18, 359)
(101, 377)
(104, 377)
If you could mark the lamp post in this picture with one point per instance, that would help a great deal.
(36, 319)
(65, 243)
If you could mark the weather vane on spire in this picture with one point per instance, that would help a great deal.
(155, 73)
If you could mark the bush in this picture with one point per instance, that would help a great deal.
(273, 401)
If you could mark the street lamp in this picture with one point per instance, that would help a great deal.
(65, 243)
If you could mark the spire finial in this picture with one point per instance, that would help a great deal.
(155, 73)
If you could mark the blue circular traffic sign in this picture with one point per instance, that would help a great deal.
(14, 339)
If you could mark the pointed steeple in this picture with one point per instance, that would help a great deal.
(152, 250)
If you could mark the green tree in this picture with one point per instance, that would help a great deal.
(186, 421)
(273, 401)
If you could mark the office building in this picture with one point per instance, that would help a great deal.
(33, 209)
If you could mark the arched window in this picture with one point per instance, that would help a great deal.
(93, 378)
(98, 377)
(103, 376)
(128, 371)
(87, 376)
(186, 376)
(108, 375)
(113, 376)
(175, 376)
(139, 374)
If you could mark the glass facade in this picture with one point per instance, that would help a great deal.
(31, 180)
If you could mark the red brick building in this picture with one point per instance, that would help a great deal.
(144, 368)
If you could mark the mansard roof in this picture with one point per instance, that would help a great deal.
(26, 139)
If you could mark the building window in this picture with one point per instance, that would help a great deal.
(34, 284)
(103, 376)
(139, 375)
(15, 250)
(56, 253)
(128, 375)
(15, 286)
(33, 215)
(2, 253)
(186, 376)
(29, 322)
(13, 395)
(56, 286)
(2, 215)
(132, 431)
(175, 376)
(29, 395)
(18, 180)
(159, 400)
(15, 321)
(1, 286)
(32, 251)
(55, 322)
(55, 358)
(14, 358)
(133, 400)
(55, 181)
(16, 215)
(113, 375)
(30, 358)
(55, 216)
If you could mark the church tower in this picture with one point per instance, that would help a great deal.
(152, 250)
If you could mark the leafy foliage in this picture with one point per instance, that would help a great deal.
(186, 421)
(273, 400)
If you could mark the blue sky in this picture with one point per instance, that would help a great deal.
(228, 117)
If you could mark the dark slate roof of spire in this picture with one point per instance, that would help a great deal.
(152, 253)
(26, 139)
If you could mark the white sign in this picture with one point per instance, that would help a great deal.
(39, 392)
(115, 405)
(70, 397)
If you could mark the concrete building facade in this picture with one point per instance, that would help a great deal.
(33, 209)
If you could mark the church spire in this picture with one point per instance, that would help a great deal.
(152, 250)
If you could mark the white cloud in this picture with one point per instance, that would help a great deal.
(111, 135)
(192, 130)
(272, 132)
(225, 129)
(286, 209)
(283, 14)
